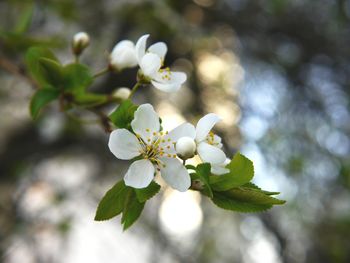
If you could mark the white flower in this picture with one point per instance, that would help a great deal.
(151, 65)
(80, 41)
(156, 148)
(207, 143)
(123, 55)
(185, 148)
(220, 168)
(122, 93)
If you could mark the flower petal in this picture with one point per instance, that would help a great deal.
(211, 154)
(123, 55)
(140, 174)
(184, 130)
(150, 64)
(175, 174)
(168, 81)
(140, 47)
(159, 48)
(220, 169)
(204, 125)
(145, 122)
(123, 144)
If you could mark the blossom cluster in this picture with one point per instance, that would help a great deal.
(153, 150)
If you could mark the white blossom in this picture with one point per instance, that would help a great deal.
(154, 147)
(208, 144)
(80, 41)
(123, 55)
(151, 62)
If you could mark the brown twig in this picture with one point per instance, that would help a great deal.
(16, 70)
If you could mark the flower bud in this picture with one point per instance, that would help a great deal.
(122, 93)
(185, 148)
(80, 41)
(123, 55)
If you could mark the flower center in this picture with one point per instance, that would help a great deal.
(166, 73)
(156, 145)
(211, 139)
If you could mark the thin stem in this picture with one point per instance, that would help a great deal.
(102, 72)
(134, 89)
(76, 59)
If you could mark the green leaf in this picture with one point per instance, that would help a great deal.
(202, 174)
(77, 78)
(52, 72)
(112, 204)
(251, 185)
(89, 99)
(41, 98)
(33, 64)
(123, 115)
(132, 209)
(241, 172)
(25, 19)
(243, 199)
(147, 193)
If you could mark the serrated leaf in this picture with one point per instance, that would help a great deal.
(41, 98)
(241, 172)
(228, 204)
(112, 204)
(202, 174)
(132, 209)
(33, 64)
(77, 78)
(123, 115)
(244, 199)
(147, 193)
(251, 185)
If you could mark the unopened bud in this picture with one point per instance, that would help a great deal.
(185, 148)
(123, 55)
(80, 41)
(122, 93)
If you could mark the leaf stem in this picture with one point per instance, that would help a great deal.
(134, 89)
(100, 73)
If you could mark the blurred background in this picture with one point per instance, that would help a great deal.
(277, 71)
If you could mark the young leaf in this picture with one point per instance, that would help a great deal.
(132, 209)
(243, 199)
(202, 174)
(77, 78)
(51, 72)
(241, 172)
(123, 115)
(41, 98)
(33, 65)
(147, 193)
(89, 99)
(112, 204)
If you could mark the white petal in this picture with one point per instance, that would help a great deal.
(150, 64)
(140, 174)
(175, 174)
(140, 47)
(123, 59)
(169, 81)
(184, 130)
(218, 170)
(204, 126)
(145, 122)
(159, 48)
(123, 144)
(211, 154)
